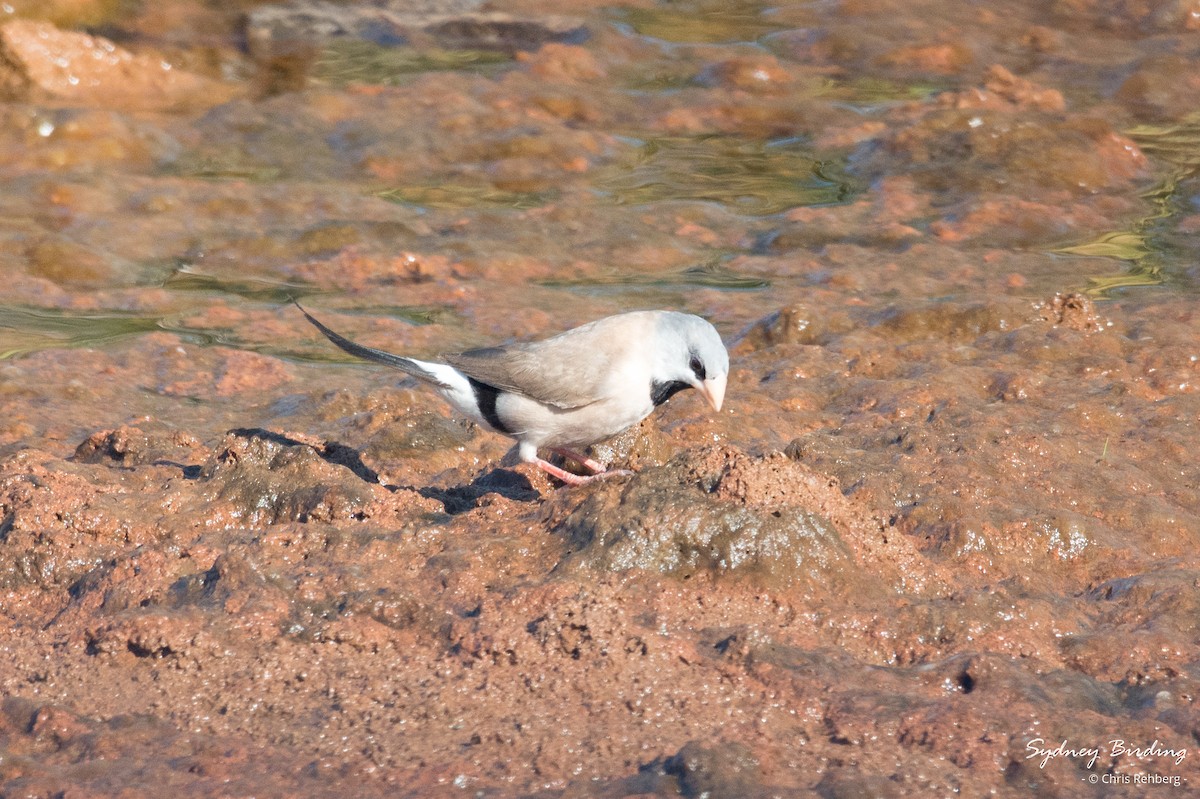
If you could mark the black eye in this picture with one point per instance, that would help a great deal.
(697, 367)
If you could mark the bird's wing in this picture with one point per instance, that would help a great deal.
(535, 374)
(570, 370)
(371, 354)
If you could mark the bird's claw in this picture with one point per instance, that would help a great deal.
(593, 466)
(578, 479)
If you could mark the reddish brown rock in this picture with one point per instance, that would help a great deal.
(1023, 92)
(939, 59)
(761, 75)
(1160, 85)
(90, 70)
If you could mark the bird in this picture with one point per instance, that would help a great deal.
(572, 390)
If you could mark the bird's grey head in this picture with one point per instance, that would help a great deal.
(690, 354)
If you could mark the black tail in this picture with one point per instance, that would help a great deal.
(371, 354)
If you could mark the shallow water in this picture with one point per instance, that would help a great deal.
(947, 520)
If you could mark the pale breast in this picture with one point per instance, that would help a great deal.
(547, 426)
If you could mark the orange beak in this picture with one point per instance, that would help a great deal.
(713, 390)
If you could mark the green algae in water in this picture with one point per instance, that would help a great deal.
(754, 178)
(462, 196)
(700, 21)
(868, 92)
(711, 275)
(750, 177)
(25, 330)
(186, 278)
(227, 166)
(348, 61)
(1147, 244)
(1177, 143)
(418, 315)
(1123, 245)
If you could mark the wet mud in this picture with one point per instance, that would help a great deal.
(940, 541)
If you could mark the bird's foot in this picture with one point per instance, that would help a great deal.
(577, 479)
(595, 467)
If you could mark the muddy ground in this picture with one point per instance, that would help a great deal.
(941, 541)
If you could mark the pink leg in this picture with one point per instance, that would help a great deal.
(575, 479)
(595, 467)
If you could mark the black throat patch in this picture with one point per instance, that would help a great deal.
(486, 396)
(661, 392)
